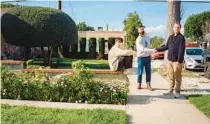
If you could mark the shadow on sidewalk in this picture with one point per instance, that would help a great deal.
(146, 99)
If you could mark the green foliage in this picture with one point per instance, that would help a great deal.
(202, 102)
(156, 42)
(111, 42)
(37, 67)
(92, 47)
(29, 62)
(101, 43)
(35, 115)
(83, 27)
(82, 42)
(77, 87)
(194, 23)
(40, 25)
(78, 64)
(74, 47)
(7, 5)
(130, 24)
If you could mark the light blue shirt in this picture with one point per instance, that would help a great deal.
(143, 46)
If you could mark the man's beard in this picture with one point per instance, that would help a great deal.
(142, 33)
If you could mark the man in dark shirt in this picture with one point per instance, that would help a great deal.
(176, 49)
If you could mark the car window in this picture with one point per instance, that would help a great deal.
(194, 51)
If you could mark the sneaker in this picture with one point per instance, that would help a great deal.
(176, 95)
(168, 93)
(139, 86)
(149, 87)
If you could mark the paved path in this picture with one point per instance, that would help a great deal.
(151, 107)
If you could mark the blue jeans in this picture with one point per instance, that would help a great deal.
(144, 62)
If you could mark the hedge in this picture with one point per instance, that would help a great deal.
(37, 26)
(92, 47)
(7, 5)
(101, 43)
(74, 48)
(111, 42)
(76, 87)
(82, 42)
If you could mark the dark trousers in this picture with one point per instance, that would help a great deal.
(125, 62)
(144, 62)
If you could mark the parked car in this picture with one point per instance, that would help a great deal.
(158, 55)
(193, 59)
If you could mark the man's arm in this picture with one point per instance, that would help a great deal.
(181, 51)
(124, 53)
(165, 47)
(141, 49)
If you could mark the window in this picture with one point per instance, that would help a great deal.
(194, 51)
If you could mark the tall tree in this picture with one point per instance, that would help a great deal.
(156, 42)
(174, 15)
(196, 25)
(82, 26)
(130, 24)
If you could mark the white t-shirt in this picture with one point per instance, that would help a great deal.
(143, 46)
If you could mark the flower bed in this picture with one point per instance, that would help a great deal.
(77, 86)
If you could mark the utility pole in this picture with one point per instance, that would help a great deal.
(59, 4)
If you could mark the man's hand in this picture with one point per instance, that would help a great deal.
(134, 53)
(155, 51)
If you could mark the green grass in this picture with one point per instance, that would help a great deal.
(32, 115)
(65, 63)
(202, 102)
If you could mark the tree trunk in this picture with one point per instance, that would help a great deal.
(59, 4)
(27, 52)
(50, 50)
(44, 56)
(60, 52)
(174, 15)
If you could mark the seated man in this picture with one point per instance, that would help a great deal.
(120, 59)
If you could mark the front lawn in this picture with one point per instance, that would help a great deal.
(66, 63)
(202, 102)
(32, 115)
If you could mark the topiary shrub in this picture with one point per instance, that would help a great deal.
(101, 43)
(111, 42)
(82, 42)
(38, 27)
(92, 47)
(74, 48)
(7, 5)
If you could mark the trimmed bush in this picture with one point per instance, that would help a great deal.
(111, 42)
(101, 43)
(92, 47)
(40, 25)
(82, 42)
(7, 5)
(74, 48)
(78, 87)
(28, 26)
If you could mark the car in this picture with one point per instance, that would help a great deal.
(193, 59)
(158, 55)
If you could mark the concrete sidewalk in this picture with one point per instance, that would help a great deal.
(151, 107)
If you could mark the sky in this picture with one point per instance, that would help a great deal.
(99, 13)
